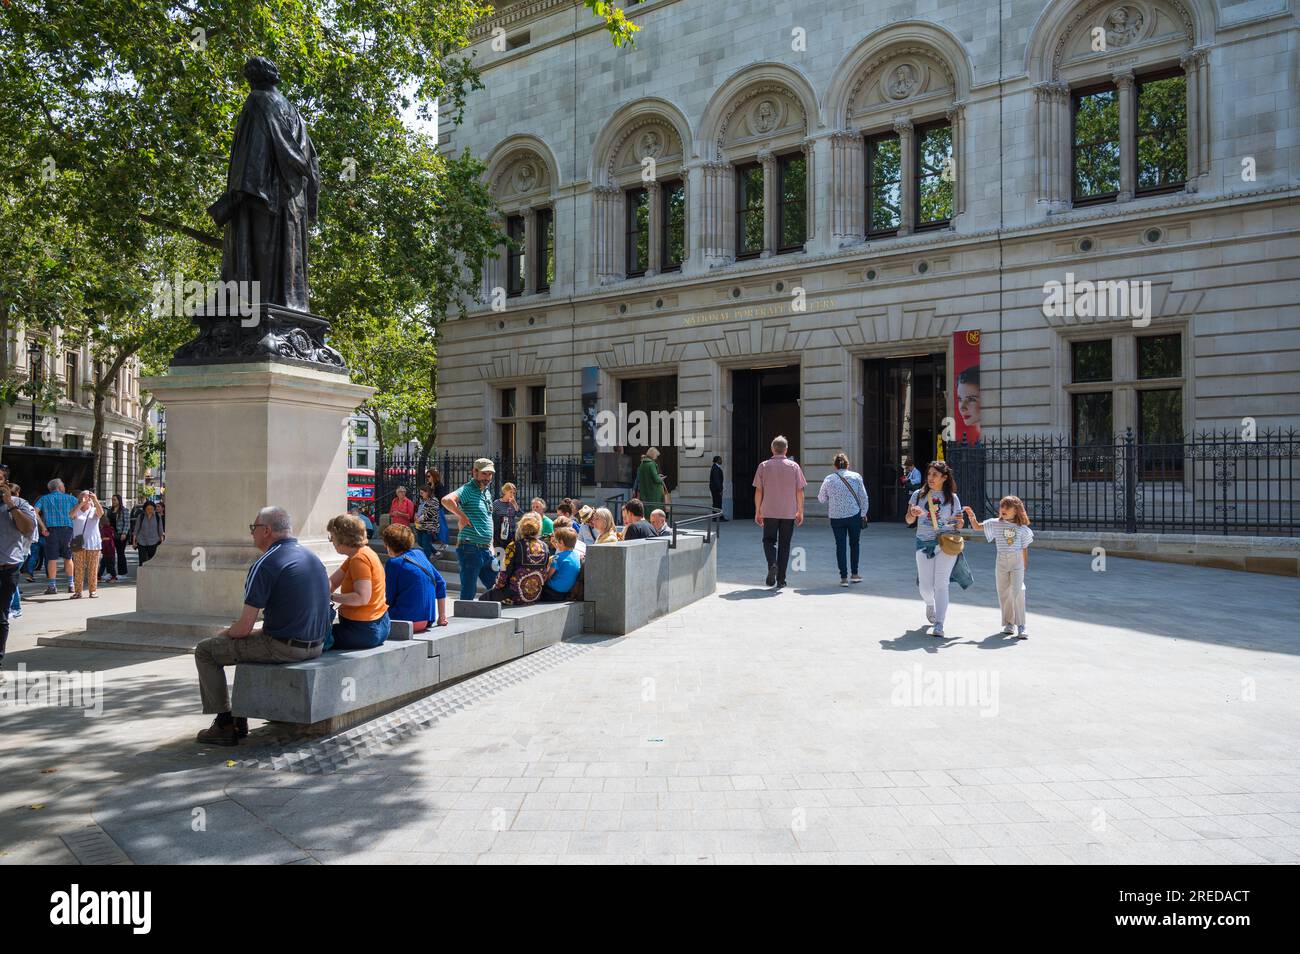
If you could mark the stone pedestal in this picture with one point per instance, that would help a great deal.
(239, 437)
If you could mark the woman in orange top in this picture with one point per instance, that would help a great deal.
(358, 587)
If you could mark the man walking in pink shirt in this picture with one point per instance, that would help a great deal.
(778, 508)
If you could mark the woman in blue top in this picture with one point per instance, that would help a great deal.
(935, 509)
(413, 587)
(846, 502)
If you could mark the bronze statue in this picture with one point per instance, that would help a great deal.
(272, 190)
(271, 193)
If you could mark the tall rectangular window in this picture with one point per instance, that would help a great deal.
(792, 202)
(673, 217)
(884, 184)
(749, 210)
(1095, 144)
(934, 178)
(545, 250)
(1092, 413)
(1161, 133)
(636, 231)
(1160, 433)
(70, 375)
(517, 256)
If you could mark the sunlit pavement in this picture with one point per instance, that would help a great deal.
(1153, 716)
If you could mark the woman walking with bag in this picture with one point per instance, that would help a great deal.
(845, 496)
(936, 511)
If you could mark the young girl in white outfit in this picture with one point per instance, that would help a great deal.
(935, 509)
(1011, 533)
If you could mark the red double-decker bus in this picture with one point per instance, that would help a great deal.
(361, 485)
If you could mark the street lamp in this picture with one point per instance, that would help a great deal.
(35, 359)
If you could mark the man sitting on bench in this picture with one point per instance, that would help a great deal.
(288, 583)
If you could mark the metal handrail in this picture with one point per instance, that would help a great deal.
(711, 516)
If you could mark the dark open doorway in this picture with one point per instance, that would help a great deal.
(903, 407)
(766, 403)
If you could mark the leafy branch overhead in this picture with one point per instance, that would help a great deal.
(117, 127)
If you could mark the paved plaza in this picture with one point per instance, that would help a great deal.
(1152, 717)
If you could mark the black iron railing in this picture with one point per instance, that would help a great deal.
(551, 478)
(679, 516)
(1210, 482)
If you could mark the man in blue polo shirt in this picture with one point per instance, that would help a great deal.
(289, 586)
(55, 508)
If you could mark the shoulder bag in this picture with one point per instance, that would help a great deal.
(861, 508)
(949, 542)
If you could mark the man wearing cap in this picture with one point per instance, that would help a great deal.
(472, 505)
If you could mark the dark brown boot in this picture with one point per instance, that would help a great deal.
(218, 734)
(241, 727)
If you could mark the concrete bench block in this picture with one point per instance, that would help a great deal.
(629, 584)
(468, 646)
(333, 684)
(545, 624)
(477, 609)
(400, 629)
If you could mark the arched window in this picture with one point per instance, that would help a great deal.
(898, 104)
(1122, 102)
(522, 180)
(758, 175)
(639, 193)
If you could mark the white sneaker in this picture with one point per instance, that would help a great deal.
(844, 581)
(1008, 630)
(937, 631)
(929, 612)
(1021, 634)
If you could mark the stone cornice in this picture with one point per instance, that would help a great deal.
(516, 14)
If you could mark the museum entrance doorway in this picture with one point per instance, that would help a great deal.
(903, 405)
(765, 404)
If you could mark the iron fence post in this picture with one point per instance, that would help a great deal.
(1130, 486)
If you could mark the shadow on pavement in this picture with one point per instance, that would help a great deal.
(1162, 599)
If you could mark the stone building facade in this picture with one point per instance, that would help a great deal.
(789, 217)
(71, 423)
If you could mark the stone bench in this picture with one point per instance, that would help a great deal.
(337, 687)
(628, 584)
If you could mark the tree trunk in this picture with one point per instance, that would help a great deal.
(4, 360)
(101, 385)
(139, 445)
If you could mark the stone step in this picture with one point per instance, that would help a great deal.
(142, 632)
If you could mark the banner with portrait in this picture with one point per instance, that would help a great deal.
(966, 386)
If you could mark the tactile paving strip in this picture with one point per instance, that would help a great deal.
(334, 752)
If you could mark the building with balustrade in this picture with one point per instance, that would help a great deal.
(873, 226)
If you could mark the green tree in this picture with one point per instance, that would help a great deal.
(134, 102)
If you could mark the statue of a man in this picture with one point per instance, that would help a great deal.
(272, 189)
